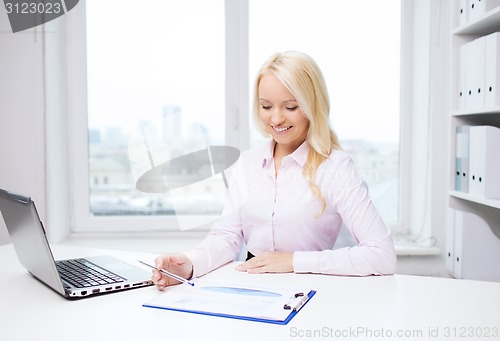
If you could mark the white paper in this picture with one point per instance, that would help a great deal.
(234, 299)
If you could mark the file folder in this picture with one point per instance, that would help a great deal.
(474, 76)
(234, 300)
(461, 82)
(458, 232)
(478, 8)
(476, 248)
(462, 12)
(450, 240)
(492, 70)
(462, 159)
(484, 162)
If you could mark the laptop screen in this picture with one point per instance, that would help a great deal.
(28, 237)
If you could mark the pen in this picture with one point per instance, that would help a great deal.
(169, 274)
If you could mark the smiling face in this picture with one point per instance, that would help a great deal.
(280, 113)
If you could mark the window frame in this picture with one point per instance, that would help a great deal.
(236, 107)
(237, 116)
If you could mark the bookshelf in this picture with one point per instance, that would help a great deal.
(493, 203)
(483, 211)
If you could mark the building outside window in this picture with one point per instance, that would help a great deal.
(156, 91)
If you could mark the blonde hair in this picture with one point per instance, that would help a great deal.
(303, 78)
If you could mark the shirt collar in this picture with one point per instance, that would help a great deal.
(268, 153)
(299, 155)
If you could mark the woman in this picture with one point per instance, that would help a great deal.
(288, 200)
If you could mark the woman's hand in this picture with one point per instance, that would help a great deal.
(177, 264)
(268, 262)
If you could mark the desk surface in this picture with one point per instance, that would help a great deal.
(343, 308)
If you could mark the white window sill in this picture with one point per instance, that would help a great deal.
(416, 250)
(174, 244)
(152, 243)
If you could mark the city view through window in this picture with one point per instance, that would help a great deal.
(150, 101)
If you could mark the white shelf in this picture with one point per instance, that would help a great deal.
(459, 245)
(491, 110)
(487, 24)
(495, 203)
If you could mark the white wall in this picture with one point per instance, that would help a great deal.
(427, 91)
(439, 130)
(22, 151)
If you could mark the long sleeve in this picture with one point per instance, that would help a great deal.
(374, 253)
(218, 248)
(225, 239)
(280, 214)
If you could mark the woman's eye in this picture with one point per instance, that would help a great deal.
(292, 108)
(266, 107)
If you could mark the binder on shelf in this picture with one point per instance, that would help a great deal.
(492, 70)
(462, 12)
(474, 73)
(462, 159)
(458, 245)
(476, 249)
(484, 163)
(478, 8)
(450, 240)
(461, 83)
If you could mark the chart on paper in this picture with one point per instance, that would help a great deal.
(233, 300)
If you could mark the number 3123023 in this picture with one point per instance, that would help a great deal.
(33, 8)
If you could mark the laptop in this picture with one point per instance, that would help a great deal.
(72, 278)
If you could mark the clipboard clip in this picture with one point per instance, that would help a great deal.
(296, 301)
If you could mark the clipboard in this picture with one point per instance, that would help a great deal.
(235, 301)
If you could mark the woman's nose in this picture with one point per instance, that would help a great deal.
(277, 117)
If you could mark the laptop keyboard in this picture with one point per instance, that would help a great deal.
(82, 273)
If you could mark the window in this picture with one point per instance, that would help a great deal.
(155, 92)
(160, 83)
(359, 55)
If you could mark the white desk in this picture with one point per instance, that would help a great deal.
(343, 308)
